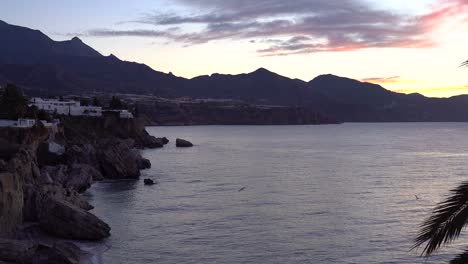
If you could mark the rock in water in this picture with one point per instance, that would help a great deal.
(182, 143)
(63, 220)
(145, 164)
(149, 182)
(164, 140)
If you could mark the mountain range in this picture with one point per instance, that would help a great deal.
(43, 66)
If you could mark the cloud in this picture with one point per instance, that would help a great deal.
(293, 27)
(383, 80)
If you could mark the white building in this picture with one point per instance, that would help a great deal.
(66, 107)
(25, 123)
(125, 114)
(74, 108)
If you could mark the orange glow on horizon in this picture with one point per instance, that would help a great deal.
(444, 92)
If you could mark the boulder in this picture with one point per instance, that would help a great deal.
(20, 251)
(84, 154)
(150, 142)
(17, 251)
(44, 177)
(58, 174)
(59, 253)
(164, 140)
(145, 164)
(64, 220)
(182, 143)
(81, 176)
(149, 182)
(118, 159)
(24, 165)
(34, 195)
(77, 176)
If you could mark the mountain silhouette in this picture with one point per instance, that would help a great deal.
(46, 67)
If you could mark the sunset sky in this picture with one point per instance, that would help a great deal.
(406, 46)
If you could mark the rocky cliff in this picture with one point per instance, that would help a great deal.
(226, 112)
(41, 187)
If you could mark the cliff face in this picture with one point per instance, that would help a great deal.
(108, 145)
(46, 191)
(17, 168)
(227, 113)
(85, 130)
(11, 203)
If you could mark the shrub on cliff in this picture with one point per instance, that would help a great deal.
(117, 104)
(36, 113)
(13, 103)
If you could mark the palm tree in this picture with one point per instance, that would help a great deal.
(447, 221)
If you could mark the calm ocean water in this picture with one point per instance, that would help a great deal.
(313, 194)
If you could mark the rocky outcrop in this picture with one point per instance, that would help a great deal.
(81, 130)
(144, 140)
(109, 145)
(21, 169)
(78, 176)
(118, 159)
(45, 192)
(59, 253)
(149, 182)
(25, 166)
(20, 251)
(48, 196)
(157, 111)
(182, 143)
(64, 220)
(81, 176)
(55, 174)
(35, 195)
(17, 251)
(82, 154)
(144, 164)
(26, 137)
(11, 203)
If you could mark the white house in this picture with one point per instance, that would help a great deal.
(66, 107)
(125, 114)
(25, 123)
(74, 108)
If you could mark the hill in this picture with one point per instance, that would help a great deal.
(46, 67)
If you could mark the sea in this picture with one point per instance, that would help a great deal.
(350, 193)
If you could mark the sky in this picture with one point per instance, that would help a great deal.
(405, 46)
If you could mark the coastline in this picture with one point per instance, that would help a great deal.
(42, 206)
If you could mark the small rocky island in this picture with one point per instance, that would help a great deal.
(43, 170)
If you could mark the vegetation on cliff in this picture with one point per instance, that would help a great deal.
(13, 104)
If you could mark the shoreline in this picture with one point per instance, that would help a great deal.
(45, 215)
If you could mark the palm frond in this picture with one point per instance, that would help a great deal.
(464, 64)
(460, 259)
(446, 222)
